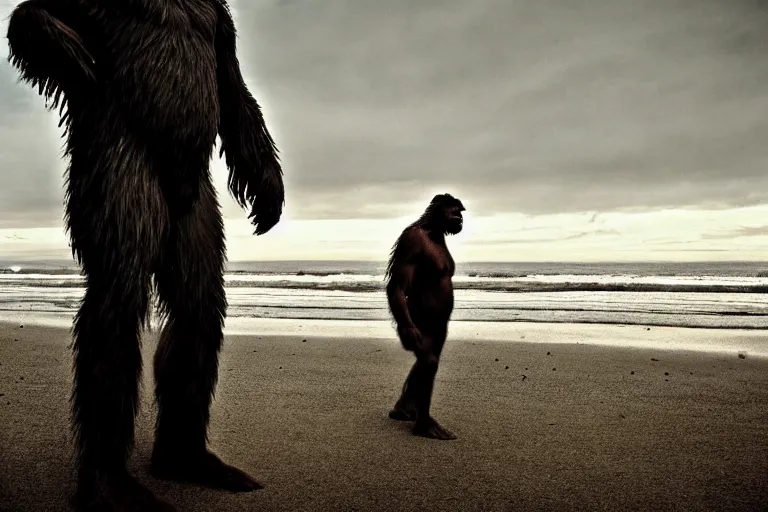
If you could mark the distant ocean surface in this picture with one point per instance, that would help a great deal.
(712, 295)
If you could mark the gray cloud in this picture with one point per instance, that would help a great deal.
(675, 249)
(743, 231)
(538, 107)
(575, 236)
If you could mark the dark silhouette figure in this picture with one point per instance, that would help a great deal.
(420, 295)
(144, 87)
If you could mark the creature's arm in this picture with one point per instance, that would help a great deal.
(255, 174)
(45, 48)
(397, 292)
(401, 276)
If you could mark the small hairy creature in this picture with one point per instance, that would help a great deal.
(420, 296)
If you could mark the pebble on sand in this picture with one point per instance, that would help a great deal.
(506, 367)
(497, 359)
(632, 372)
(547, 353)
(666, 373)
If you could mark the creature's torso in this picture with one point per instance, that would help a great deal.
(157, 61)
(432, 290)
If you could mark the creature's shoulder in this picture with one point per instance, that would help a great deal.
(223, 12)
(426, 249)
(415, 238)
(409, 246)
(225, 24)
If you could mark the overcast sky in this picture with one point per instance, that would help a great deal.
(571, 129)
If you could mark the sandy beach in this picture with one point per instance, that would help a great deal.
(541, 425)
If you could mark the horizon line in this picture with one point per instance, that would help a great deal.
(71, 262)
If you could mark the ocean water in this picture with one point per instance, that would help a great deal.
(696, 295)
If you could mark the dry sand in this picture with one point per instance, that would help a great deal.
(686, 430)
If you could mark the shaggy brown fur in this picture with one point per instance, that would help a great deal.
(144, 88)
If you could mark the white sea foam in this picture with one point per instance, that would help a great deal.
(719, 296)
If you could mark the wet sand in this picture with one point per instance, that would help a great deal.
(541, 426)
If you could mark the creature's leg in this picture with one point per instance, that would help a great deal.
(190, 287)
(405, 407)
(115, 218)
(422, 382)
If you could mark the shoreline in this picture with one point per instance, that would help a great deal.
(541, 426)
(751, 342)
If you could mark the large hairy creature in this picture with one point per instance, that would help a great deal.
(144, 87)
(420, 296)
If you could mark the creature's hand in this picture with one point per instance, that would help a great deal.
(410, 337)
(268, 200)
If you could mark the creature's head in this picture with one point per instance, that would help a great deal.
(444, 214)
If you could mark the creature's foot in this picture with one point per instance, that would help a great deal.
(402, 412)
(205, 469)
(432, 429)
(121, 493)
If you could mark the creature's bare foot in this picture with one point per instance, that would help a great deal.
(432, 429)
(206, 470)
(402, 412)
(121, 493)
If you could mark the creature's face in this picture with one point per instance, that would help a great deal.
(448, 210)
(454, 221)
